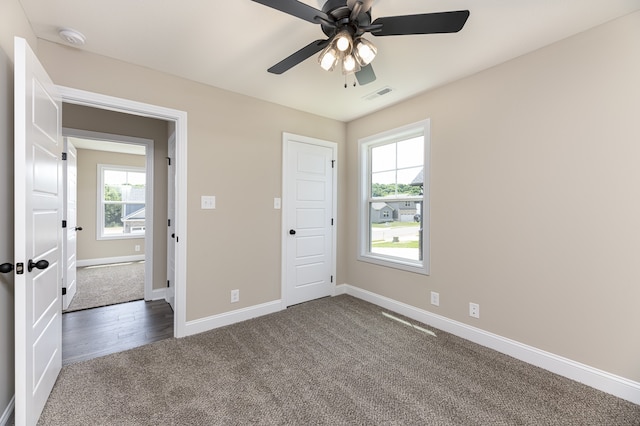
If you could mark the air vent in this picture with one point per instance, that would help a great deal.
(378, 93)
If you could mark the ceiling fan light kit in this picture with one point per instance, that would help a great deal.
(345, 21)
(352, 55)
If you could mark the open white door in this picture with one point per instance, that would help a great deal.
(171, 215)
(38, 235)
(309, 195)
(70, 169)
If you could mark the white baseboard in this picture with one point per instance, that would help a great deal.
(590, 376)
(228, 318)
(158, 293)
(107, 260)
(6, 415)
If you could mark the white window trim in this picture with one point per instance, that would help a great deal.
(100, 210)
(364, 228)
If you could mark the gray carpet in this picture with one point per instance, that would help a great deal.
(105, 285)
(332, 361)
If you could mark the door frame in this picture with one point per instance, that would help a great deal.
(291, 137)
(69, 132)
(68, 295)
(179, 118)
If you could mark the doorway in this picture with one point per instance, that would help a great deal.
(113, 226)
(177, 131)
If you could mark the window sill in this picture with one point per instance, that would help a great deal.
(395, 263)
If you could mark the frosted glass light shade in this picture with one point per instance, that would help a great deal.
(365, 51)
(328, 58)
(343, 41)
(349, 64)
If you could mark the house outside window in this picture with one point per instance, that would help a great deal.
(121, 199)
(394, 203)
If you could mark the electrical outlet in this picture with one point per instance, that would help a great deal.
(235, 296)
(474, 310)
(435, 298)
(137, 247)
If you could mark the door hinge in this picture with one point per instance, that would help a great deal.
(331, 221)
(64, 291)
(331, 278)
(19, 268)
(64, 223)
(168, 161)
(168, 283)
(333, 163)
(168, 222)
(64, 156)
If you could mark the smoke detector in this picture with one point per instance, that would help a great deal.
(71, 36)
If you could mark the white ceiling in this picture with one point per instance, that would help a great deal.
(230, 44)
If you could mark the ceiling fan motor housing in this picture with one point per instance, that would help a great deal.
(340, 12)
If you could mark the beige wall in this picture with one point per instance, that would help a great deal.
(97, 120)
(535, 212)
(12, 23)
(234, 153)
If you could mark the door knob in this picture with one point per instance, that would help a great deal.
(40, 264)
(292, 231)
(78, 228)
(6, 268)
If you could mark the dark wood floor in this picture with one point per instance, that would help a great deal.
(101, 331)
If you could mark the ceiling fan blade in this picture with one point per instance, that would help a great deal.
(297, 9)
(365, 75)
(427, 23)
(299, 56)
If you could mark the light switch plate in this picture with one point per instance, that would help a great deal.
(277, 203)
(208, 202)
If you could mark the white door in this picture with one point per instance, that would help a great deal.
(309, 213)
(38, 235)
(70, 170)
(171, 215)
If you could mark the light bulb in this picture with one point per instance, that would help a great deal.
(349, 64)
(328, 59)
(343, 41)
(365, 51)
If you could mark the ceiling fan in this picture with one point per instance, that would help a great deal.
(344, 22)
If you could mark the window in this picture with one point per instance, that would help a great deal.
(394, 203)
(121, 199)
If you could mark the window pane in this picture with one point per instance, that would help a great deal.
(406, 178)
(410, 152)
(115, 177)
(383, 158)
(383, 184)
(395, 229)
(113, 219)
(137, 178)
